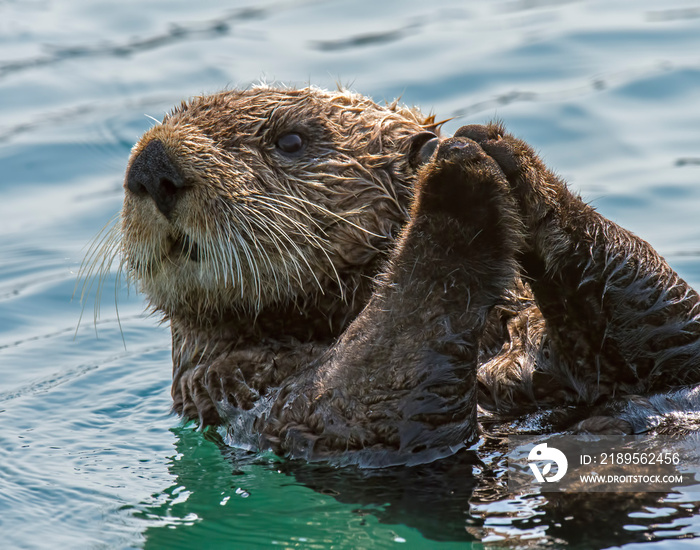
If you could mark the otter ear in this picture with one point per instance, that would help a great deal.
(421, 149)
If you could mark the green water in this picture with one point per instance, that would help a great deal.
(608, 91)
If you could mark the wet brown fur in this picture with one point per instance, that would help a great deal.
(340, 303)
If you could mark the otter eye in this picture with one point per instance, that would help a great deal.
(423, 146)
(290, 143)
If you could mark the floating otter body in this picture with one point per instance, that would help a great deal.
(342, 283)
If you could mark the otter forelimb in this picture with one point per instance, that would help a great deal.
(399, 386)
(618, 319)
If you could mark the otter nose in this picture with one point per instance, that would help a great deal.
(153, 173)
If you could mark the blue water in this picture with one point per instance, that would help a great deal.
(608, 91)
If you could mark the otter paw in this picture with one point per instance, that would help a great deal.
(513, 155)
(192, 399)
(537, 190)
(459, 180)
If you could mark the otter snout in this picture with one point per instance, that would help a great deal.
(152, 173)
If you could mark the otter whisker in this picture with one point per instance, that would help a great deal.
(226, 257)
(217, 262)
(304, 230)
(105, 262)
(245, 249)
(231, 262)
(105, 265)
(261, 223)
(96, 252)
(302, 256)
(116, 300)
(322, 245)
(339, 217)
(259, 246)
(234, 257)
(280, 231)
(96, 265)
(303, 212)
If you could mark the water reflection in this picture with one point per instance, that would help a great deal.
(465, 498)
(459, 499)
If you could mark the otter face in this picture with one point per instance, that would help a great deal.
(245, 199)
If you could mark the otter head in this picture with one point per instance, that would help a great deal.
(245, 199)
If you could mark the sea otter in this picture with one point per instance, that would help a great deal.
(345, 283)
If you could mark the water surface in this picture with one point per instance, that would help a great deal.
(90, 458)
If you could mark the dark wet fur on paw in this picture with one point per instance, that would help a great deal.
(619, 320)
